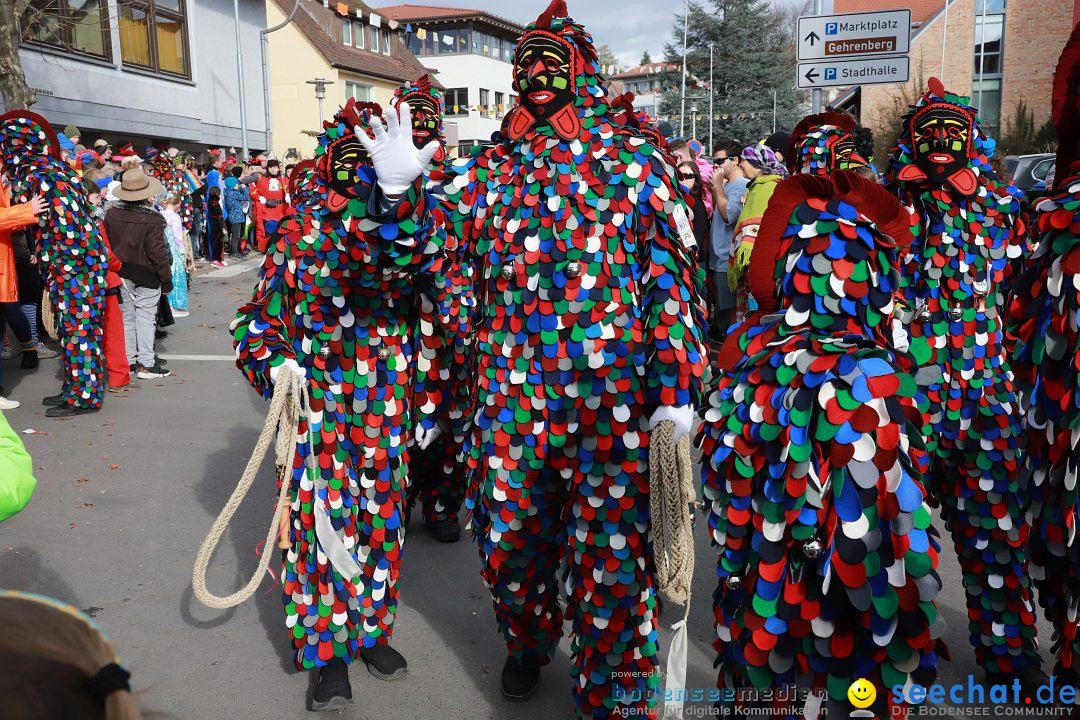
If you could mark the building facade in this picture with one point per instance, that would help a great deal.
(997, 51)
(472, 51)
(147, 71)
(359, 50)
(648, 83)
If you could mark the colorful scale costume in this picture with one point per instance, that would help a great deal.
(438, 474)
(828, 559)
(823, 143)
(345, 290)
(1044, 316)
(969, 227)
(175, 183)
(589, 316)
(69, 245)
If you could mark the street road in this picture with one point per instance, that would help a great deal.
(125, 497)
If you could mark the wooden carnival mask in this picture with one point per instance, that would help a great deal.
(545, 72)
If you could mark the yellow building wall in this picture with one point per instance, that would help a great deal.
(294, 61)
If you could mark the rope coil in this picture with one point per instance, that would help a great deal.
(672, 493)
(287, 405)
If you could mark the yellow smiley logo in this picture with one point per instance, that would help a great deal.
(862, 693)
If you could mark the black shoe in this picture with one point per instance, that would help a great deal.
(152, 372)
(53, 401)
(69, 411)
(519, 679)
(1031, 679)
(384, 662)
(446, 530)
(29, 360)
(132, 367)
(333, 690)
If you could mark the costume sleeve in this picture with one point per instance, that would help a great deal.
(261, 337)
(16, 216)
(672, 288)
(17, 480)
(456, 187)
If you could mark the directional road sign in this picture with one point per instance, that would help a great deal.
(854, 34)
(861, 71)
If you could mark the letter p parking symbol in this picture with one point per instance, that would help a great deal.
(830, 28)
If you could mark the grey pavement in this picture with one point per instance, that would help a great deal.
(125, 497)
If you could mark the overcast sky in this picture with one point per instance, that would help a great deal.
(627, 26)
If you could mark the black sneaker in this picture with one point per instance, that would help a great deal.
(519, 679)
(384, 662)
(69, 411)
(154, 372)
(333, 690)
(29, 360)
(446, 530)
(53, 401)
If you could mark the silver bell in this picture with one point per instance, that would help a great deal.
(813, 548)
(733, 582)
(384, 353)
(981, 287)
(573, 269)
(507, 271)
(324, 352)
(956, 314)
(922, 313)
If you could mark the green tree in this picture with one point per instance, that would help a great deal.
(1022, 136)
(753, 56)
(607, 58)
(646, 59)
(13, 88)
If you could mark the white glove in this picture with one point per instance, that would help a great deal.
(682, 416)
(396, 160)
(425, 437)
(899, 335)
(291, 365)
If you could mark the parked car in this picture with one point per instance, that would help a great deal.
(1028, 172)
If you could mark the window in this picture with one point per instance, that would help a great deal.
(358, 34)
(465, 149)
(1041, 170)
(152, 35)
(358, 91)
(986, 95)
(500, 108)
(346, 31)
(485, 100)
(386, 42)
(76, 26)
(988, 44)
(457, 101)
(992, 6)
(374, 39)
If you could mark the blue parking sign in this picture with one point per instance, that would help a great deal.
(830, 28)
(830, 73)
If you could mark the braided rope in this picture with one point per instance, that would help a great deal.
(48, 315)
(287, 406)
(671, 490)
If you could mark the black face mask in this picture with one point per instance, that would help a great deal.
(543, 75)
(346, 157)
(940, 141)
(425, 120)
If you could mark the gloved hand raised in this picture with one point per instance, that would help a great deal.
(396, 160)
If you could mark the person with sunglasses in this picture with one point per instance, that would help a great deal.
(690, 179)
(729, 184)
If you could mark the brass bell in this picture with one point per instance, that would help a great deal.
(384, 353)
(956, 314)
(813, 548)
(733, 582)
(324, 351)
(507, 271)
(573, 269)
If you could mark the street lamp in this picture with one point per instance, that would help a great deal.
(320, 94)
(693, 117)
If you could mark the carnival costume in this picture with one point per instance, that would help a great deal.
(1043, 318)
(823, 143)
(588, 332)
(72, 253)
(437, 473)
(174, 180)
(827, 565)
(969, 227)
(345, 289)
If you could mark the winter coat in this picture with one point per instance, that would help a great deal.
(137, 234)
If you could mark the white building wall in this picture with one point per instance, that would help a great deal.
(474, 72)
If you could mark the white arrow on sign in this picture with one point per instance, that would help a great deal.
(854, 34)
(863, 71)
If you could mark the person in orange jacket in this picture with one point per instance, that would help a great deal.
(13, 217)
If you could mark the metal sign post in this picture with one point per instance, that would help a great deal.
(864, 48)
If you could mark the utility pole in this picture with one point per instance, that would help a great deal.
(685, 27)
(264, 46)
(712, 93)
(240, 81)
(944, 37)
(815, 94)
